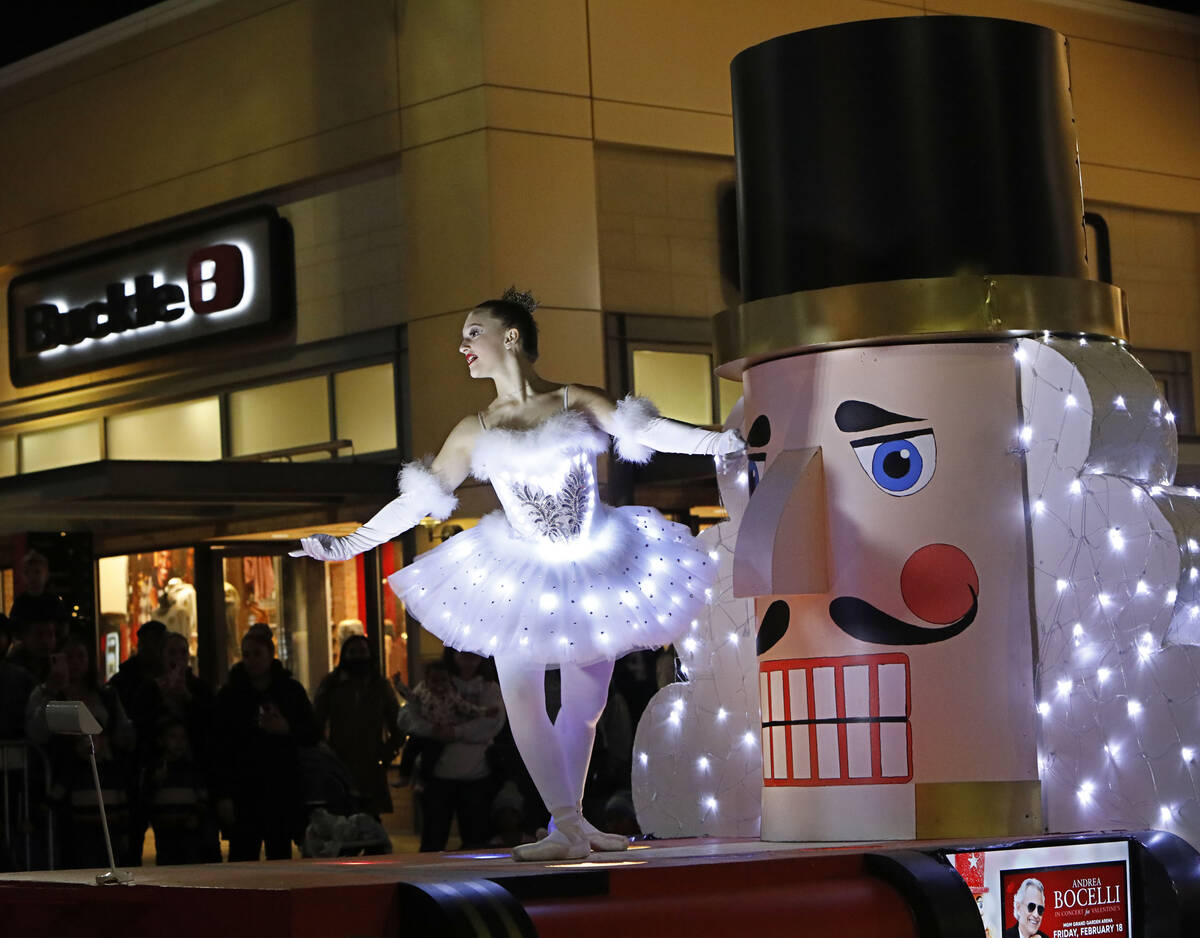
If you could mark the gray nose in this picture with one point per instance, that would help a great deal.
(783, 542)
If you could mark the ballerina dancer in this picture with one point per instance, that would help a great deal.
(556, 578)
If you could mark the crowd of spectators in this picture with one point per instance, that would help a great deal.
(249, 762)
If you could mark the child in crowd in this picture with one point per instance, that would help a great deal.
(178, 800)
(435, 701)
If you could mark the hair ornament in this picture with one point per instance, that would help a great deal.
(524, 299)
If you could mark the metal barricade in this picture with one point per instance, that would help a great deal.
(24, 767)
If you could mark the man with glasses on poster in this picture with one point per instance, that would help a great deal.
(1029, 904)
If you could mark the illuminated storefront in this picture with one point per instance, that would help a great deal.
(183, 476)
(256, 587)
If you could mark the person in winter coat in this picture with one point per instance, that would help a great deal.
(175, 793)
(72, 676)
(460, 783)
(137, 673)
(176, 695)
(262, 718)
(356, 709)
(143, 666)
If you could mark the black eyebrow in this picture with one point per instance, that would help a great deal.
(856, 416)
(888, 437)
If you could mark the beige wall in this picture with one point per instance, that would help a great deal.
(349, 275)
(658, 230)
(238, 98)
(430, 153)
(660, 76)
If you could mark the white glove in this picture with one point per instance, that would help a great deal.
(396, 517)
(671, 436)
(639, 430)
(422, 493)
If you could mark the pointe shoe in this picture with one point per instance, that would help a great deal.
(602, 841)
(566, 841)
(598, 840)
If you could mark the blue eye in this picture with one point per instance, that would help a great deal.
(896, 465)
(900, 464)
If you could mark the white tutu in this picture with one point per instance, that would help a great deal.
(636, 582)
(558, 576)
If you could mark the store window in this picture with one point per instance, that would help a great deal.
(365, 404)
(395, 628)
(191, 430)
(253, 596)
(357, 405)
(669, 360)
(60, 446)
(280, 416)
(8, 456)
(135, 588)
(679, 383)
(311, 609)
(346, 601)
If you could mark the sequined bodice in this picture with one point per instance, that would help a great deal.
(552, 503)
(545, 476)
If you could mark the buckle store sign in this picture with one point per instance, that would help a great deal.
(195, 285)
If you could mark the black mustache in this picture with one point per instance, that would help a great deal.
(859, 619)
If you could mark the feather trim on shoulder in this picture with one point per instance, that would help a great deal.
(565, 431)
(418, 482)
(632, 416)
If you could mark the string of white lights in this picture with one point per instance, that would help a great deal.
(1115, 548)
(697, 765)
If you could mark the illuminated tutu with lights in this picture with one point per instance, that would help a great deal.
(557, 576)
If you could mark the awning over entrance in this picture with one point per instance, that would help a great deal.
(124, 501)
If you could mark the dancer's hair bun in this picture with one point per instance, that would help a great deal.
(524, 299)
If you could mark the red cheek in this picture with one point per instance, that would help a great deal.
(939, 583)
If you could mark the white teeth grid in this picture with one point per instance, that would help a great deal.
(891, 682)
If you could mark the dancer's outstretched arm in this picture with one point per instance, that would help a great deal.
(424, 490)
(639, 429)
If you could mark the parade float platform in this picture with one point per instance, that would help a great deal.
(662, 888)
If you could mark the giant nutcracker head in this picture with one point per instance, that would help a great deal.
(909, 207)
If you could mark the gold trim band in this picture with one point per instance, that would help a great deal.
(947, 810)
(888, 312)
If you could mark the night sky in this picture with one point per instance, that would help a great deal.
(48, 22)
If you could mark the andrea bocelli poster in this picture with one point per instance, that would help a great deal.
(1064, 891)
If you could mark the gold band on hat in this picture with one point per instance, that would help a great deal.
(934, 309)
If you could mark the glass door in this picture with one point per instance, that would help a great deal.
(137, 588)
